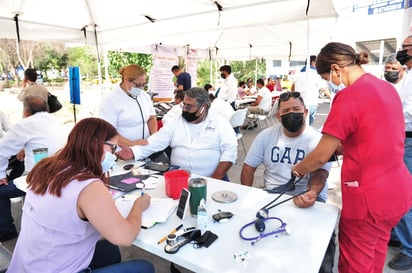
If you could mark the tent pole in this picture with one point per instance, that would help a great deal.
(381, 50)
(106, 69)
(211, 70)
(99, 75)
(307, 44)
(256, 71)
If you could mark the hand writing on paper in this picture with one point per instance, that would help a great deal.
(305, 200)
(143, 202)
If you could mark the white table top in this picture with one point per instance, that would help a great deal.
(239, 102)
(300, 252)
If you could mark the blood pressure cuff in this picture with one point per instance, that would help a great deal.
(206, 239)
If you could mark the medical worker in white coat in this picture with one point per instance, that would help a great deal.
(202, 141)
(129, 108)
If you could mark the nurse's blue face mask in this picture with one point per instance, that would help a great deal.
(333, 87)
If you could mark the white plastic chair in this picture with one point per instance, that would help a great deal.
(237, 120)
(5, 258)
(268, 118)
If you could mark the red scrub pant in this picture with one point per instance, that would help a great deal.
(363, 244)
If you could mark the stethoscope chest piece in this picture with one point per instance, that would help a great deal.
(259, 224)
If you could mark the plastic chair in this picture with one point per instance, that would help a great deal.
(237, 120)
(268, 118)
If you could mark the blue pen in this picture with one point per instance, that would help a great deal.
(143, 189)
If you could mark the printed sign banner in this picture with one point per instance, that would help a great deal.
(161, 76)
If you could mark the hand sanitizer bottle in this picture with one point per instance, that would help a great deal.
(202, 216)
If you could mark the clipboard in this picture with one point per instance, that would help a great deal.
(126, 182)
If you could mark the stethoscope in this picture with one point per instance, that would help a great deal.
(141, 113)
(262, 216)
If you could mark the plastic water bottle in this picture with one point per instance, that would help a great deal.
(202, 216)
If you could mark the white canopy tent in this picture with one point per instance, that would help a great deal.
(228, 29)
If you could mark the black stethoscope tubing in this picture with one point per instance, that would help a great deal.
(262, 215)
(141, 114)
(291, 183)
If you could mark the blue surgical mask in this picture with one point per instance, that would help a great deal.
(135, 92)
(333, 87)
(108, 162)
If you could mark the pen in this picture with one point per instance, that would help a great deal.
(173, 231)
(143, 189)
(190, 228)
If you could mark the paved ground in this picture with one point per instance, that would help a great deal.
(12, 107)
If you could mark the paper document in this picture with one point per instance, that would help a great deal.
(158, 211)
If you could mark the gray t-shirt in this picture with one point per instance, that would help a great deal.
(279, 153)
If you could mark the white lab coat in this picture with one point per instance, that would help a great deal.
(197, 148)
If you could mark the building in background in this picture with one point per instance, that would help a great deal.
(377, 27)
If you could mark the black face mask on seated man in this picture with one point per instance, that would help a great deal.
(292, 121)
(403, 57)
(391, 76)
(189, 117)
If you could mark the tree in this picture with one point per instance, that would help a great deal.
(47, 56)
(27, 54)
(51, 61)
(10, 59)
(203, 72)
(85, 58)
(119, 59)
(249, 69)
(242, 70)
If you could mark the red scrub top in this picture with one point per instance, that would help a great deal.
(367, 117)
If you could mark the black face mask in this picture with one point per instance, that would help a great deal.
(391, 76)
(292, 121)
(403, 57)
(189, 117)
(223, 76)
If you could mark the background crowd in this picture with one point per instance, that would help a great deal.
(376, 173)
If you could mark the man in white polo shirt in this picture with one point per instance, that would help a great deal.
(261, 106)
(38, 129)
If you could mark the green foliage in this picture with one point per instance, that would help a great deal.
(85, 58)
(51, 60)
(242, 70)
(119, 59)
(248, 69)
(203, 72)
(55, 57)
